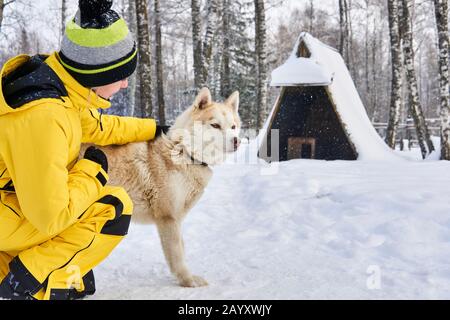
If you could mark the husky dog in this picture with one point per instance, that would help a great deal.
(165, 177)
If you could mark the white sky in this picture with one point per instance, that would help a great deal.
(277, 14)
(289, 5)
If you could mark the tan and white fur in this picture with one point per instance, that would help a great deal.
(163, 181)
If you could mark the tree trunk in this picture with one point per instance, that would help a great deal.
(63, 16)
(216, 69)
(396, 85)
(131, 90)
(225, 77)
(441, 12)
(197, 44)
(186, 65)
(349, 51)
(2, 6)
(374, 78)
(25, 42)
(426, 145)
(261, 60)
(367, 101)
(145, 67)
(159, 66)
(211, 26)
(311, 16)
(344, 32)
(341, 27)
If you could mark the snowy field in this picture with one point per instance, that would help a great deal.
(305, 229)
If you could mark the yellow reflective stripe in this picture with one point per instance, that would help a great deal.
(97, 37)
(121, 63)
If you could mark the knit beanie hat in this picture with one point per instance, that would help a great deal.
(97, 48)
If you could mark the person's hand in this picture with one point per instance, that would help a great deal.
(97, 155)
(161, 129)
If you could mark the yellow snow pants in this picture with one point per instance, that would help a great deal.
(50, 267)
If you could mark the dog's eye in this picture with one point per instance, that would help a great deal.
(215, 125)
(233, 127)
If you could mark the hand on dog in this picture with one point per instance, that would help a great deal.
(161, 129)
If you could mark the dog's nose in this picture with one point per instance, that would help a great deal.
(236, 143)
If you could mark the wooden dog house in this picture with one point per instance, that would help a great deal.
(319, 114)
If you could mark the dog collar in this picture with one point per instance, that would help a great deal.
(199, 162)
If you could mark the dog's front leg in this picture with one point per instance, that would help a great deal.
(172, 243)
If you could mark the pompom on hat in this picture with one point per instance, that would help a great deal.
(98, 48)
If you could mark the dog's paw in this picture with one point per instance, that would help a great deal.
(193, 282)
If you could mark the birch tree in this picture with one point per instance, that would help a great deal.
(344, 30)
(261, 62)
(425, 143)
(396, 84)
(211, 26)
(145, 77)
(225, 84)
(311, 16)
(197, 44)
(368, 103)
(159, 65)
(63, 16)
(25, 42)
(203, 45)
(380, 83)
(132, 80)
(441, 13)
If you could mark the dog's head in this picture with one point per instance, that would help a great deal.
(209, 130)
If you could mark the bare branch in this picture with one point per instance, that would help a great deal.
(8, 3)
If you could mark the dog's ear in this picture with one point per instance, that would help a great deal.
(233, 101)
(203, 99)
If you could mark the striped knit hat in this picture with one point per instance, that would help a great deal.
(97, 48)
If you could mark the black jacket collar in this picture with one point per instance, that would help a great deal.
(31, 81)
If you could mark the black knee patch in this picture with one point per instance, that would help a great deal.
(120, 224)
(115, 202)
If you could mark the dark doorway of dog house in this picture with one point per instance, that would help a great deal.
(309, 127)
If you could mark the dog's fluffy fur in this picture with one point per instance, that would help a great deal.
(163, 181)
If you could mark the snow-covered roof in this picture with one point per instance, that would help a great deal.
(300, 71)
(342, 90)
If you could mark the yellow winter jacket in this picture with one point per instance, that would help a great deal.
(40, 142)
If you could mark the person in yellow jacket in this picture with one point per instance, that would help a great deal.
(58, 218)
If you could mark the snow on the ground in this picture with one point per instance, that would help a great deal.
(306, 229)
